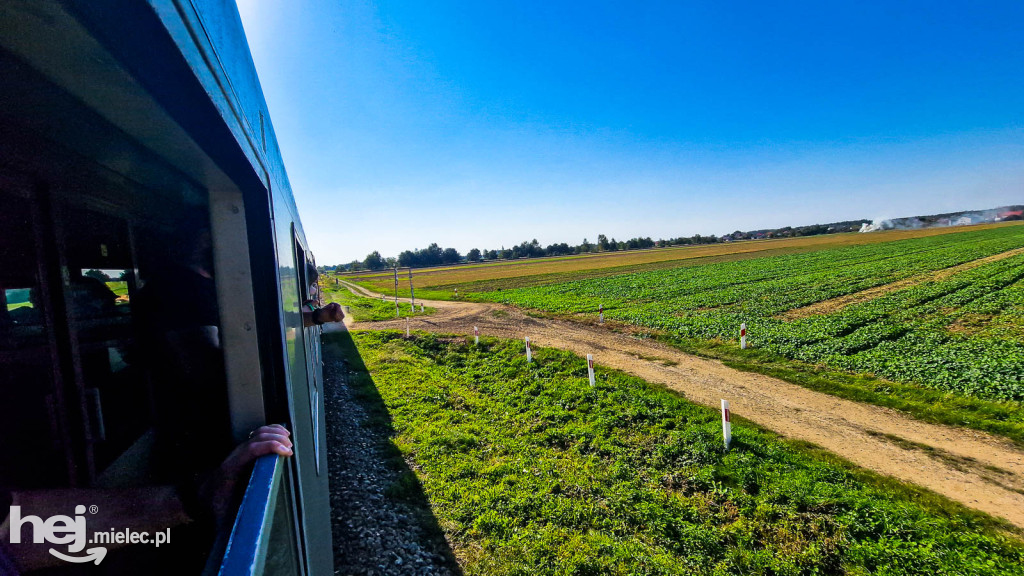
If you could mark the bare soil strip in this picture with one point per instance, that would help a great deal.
(836, 304)
(957, 463)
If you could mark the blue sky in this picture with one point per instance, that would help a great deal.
(480, 124)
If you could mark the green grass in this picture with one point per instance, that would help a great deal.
(365, 309)
(118, 287)
(529, 470)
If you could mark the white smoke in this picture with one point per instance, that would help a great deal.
(942, 221)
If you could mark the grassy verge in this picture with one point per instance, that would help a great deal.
(365, 309)
(529, 470)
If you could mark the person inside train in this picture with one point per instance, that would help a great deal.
(313, 312)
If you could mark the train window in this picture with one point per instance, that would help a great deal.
(31, 396)
(18, 298)
(111, 387)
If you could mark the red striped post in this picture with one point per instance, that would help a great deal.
(743, 336)
(529, 353)
(476, 335)
(590, 369)
(600, 313)
(726, 424)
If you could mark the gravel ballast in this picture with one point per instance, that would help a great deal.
(380, 525)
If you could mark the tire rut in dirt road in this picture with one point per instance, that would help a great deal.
(978, 470)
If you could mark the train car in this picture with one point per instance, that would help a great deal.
(121, 120)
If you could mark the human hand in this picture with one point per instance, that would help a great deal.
(218, 489)
(271, 439)
(331, 313)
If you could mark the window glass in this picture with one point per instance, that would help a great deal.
(31, 405)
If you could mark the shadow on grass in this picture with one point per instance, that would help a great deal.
(381, 519)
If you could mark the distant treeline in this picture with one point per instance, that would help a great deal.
(434, 255)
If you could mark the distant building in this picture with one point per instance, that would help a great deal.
(1011, 215)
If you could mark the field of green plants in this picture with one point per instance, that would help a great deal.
(962, 334)
(529, 470)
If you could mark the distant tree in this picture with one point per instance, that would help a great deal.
(407, 259)
(97, 274)
(355, 265)
(558, 249)
(432, 255)
(373, 261)
(124, 276)
(602, 242)
(450, 256)
(473, 255)
(492, 254)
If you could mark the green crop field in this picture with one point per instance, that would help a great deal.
(962, 334)
(529, 470)
(440, 281)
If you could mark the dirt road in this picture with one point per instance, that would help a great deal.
(976, 469)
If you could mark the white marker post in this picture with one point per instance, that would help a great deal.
(456, 293)
(743, 336)
(421, 307)
(590, 369)
(529, 353)
(476, 336)
(406, 326)
(726, 424)
(600, 313)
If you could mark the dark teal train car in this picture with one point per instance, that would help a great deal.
(118, 120)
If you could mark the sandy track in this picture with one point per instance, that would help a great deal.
(976, 469)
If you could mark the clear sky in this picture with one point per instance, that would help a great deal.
(483, 124)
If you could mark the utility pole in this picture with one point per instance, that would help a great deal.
(412, 293)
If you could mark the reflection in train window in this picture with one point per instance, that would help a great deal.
(111, 382)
